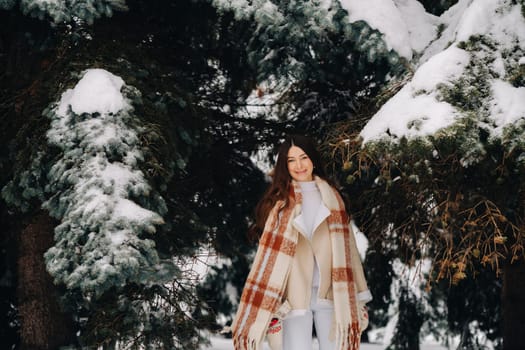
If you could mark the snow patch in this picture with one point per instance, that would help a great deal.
(384, 16)
(507, 105)
(361, 241)
(98, 91)
(416, 110)
(422, 26)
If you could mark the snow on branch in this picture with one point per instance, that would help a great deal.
(98, 191)
(470, 73)
(66, 10)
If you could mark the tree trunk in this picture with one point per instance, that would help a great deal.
(42, 323)
(514, 306)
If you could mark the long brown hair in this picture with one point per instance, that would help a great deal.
(279, 189)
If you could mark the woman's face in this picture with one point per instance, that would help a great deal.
(300, 166)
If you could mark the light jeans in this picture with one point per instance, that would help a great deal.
(297, 326)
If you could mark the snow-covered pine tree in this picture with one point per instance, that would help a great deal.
(181, 57)
(109, 214)
(106, 207)
(319, 59)
(440, 164)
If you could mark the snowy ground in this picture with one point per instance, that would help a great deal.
(218, 343)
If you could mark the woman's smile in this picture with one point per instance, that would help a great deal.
(300, 165)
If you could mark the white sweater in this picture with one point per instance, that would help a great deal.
(310, 206)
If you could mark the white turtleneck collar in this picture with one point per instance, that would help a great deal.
(308, 186)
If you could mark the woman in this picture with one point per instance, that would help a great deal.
(307, 269)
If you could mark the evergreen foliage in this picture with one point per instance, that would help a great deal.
(455, 195)
(419, 194)
(227, 199)
(472, 314)
(326, 66)
(221, 291)
(105, 255)
(302, 40)
(181, 71)
(379, 275)
(9, 324)
(7, 4)
(410, 321)
(60, 11)
(99, 193)
(186, 145)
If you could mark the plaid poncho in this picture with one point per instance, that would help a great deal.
(265, 286)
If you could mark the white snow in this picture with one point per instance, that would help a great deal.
(384, 16)
(361, 241)
(449, 20)
(405, 24)
(263, 99)
(508, 105)
(440, 69)
(504, 23)
(499, 65)
(97, 91)
(131, 213)
(476, 19)
(421, 25)
(418, 109)
(268, 13)
(48, 1)
(233, 296)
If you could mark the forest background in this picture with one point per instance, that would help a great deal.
(136, 136)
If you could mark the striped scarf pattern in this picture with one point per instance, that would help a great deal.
(264, 289)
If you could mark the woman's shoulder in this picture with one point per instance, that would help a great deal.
(279, 204)
(277, 207)
(327, 185)
(330, 194)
